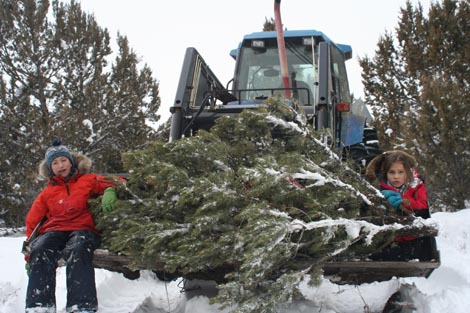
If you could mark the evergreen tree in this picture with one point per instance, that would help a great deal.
(417, 84)
(269, 25)
(27, 64)
(257, 204)
(56, 83)
(131, 102)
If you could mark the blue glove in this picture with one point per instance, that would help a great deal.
(393, 197)
(388, 193)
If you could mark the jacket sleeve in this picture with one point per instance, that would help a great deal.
(37, 211)
(101, 183)
(417, 200)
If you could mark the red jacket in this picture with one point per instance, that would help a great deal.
(414, 198)
(414, 195)
(65, 204)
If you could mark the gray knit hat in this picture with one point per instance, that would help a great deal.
(55, 151)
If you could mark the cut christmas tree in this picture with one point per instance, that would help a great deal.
(258, 204)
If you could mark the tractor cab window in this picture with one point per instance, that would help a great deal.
(260, 73)
(340, 77)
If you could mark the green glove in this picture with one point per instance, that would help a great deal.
(108, 200)
(27, 268)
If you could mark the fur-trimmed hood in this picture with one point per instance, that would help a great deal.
(375, 169)
(82, 165)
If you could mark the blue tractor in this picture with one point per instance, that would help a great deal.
(315, 81)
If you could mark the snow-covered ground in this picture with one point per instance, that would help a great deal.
(447, 290)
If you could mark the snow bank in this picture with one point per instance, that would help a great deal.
(447, 290)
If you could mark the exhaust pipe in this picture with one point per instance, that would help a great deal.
(282, 49)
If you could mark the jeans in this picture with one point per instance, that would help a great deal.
(76, 248)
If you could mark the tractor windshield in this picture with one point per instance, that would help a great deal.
(259, 75)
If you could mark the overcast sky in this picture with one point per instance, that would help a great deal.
(160, 31)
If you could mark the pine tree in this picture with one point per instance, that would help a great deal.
(131, 102)
(26, 46)
(390, 92)
(417, 84)
(269, 25)
(259, 203)
(57, 83)
(444, 120)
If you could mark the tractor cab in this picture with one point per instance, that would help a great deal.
(258, 73)
(318, 85)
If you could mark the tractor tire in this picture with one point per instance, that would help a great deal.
(403, 300)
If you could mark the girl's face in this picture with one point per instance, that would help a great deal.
(61, 166)
(396, 175)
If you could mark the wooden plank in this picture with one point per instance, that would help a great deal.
(343, 272)
(338, 271)
(345, 265)
(115, 263)
(359, 272)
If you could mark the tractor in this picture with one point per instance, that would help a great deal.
(307, 69)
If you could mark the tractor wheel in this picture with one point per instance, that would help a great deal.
(403, 300)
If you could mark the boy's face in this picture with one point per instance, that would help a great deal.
(396, 175)
(61, 166)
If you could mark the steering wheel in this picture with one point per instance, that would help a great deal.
(269, 71)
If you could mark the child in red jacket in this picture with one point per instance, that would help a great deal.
(68, 231)
(394, 172)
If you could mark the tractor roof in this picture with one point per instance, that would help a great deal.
(345, 49)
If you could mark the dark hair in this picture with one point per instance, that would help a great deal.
(397, 157)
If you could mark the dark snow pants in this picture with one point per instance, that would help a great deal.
(76, 248)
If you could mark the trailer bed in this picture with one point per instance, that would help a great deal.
(338, 272)
(360, 272)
